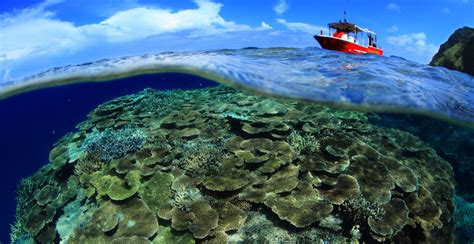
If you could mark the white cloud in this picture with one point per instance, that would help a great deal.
(264, 26)
(407, 39)
(36, 31)
(281, 7)
(392, 29)
(48, 3)
(414, 46)
(393, 7)
(445, 11)
(304, 27)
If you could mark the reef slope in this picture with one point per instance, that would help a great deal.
(216, 165)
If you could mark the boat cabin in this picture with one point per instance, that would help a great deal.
(350, 32)
(348, 37)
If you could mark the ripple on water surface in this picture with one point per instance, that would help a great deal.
(366, 82)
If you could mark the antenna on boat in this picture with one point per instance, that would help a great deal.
(345, 20)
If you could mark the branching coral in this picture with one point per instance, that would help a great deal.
(25, 190)
(109, 144)
(155, 101)
(201, 158)
(183, 197)
(87, 166)
(360, 209)
(18, 234)
(303, 143)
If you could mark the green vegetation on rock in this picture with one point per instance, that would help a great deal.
(457, 52)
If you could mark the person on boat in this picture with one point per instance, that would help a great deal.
(339, 34)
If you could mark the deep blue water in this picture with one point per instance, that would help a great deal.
(32, 122)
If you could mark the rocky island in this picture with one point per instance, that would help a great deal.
(458, 52)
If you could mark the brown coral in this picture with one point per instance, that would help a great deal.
(265, 152)
(302, 207)
(205, 168)
(394, 219)
(134, 218)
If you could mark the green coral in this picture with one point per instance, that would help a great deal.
(301, 208)
(115, 187)
(303, 142)
(209, 162)
(200, 158)
(361, 209)
(109, 144)
(156, 192)
(134, 218)
(167, 235)
(464, 221)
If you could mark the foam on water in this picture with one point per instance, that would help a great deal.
(364, 82)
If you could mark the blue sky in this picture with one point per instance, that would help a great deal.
(35, 35)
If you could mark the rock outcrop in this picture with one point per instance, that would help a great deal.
(458, 52)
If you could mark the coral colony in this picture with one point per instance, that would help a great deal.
(216, 165)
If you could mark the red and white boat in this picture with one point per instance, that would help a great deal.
(348, 37)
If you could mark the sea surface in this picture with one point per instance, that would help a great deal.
(432, 103)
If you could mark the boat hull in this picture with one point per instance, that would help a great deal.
(337, 44)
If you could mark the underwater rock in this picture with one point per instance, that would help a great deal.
(218, 165)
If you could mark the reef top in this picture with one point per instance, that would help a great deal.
(216, 165)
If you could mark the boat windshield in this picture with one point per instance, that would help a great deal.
(351, 32)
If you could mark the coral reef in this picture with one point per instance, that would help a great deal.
(216, 165)
(464, 221)
(109, 144)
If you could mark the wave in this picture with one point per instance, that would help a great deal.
(362, 82)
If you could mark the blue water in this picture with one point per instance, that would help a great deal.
(364, 82)
(32, 122)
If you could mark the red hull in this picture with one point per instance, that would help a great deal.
(337, 44)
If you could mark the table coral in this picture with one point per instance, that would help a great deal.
(216, 165)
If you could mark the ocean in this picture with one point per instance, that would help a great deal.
(249, 145)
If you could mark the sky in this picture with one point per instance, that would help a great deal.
(37, 35)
